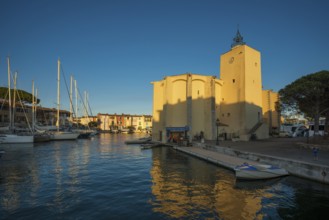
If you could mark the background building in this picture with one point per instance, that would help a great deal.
(124, 122)
(22, 115)
(193, 104)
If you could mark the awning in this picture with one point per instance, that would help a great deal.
(173, 129)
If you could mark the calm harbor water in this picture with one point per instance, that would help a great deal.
(103, 178)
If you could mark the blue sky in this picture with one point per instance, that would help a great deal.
(114, 49)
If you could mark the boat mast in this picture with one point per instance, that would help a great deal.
(33, 106)
(88, 108)
(14, 100)
(58, 92)
(71, 100)
(9, 96)
(76, 99)
(85, 103)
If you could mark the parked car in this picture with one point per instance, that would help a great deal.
(293, 131)
(298, 131)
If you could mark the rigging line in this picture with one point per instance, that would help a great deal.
(90, 109)
(20, 101)
(47, 120)
(88, 106)
(84, 104)
(3, 103)
(67, 89)
(22, 106)
(84, 107)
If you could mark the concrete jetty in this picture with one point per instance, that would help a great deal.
(292, 154)
(221, 159)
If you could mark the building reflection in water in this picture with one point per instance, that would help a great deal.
(186, 187)
(112, 145)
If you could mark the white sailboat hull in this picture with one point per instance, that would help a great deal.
(15, 139)
(4, 128)
(61, 135)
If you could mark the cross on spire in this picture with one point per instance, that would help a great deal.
(238, 40)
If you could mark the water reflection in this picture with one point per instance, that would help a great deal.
(112, 145)
(186, 187)
(256, 185)
(119, 181)
(10, 200)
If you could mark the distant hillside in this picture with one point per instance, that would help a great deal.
(24, 96)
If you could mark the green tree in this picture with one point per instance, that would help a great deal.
(20, 95)
(309, 95)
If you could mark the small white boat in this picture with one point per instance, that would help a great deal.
(1, 152)
(124, 130)
(114, 131)
(261, 171)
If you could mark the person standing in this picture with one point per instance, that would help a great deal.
(315, 151)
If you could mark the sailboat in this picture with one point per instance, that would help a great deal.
(61, 135)
(41, 129)
(84, 132)
(39, 135)
(12, 137)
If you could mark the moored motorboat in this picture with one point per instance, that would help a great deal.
(114, 131)
(84, 133)
(150, 145)
(41, 137)
(124, 130)
(63, 135)
(259, 171)
(1, 152)
(144, 140)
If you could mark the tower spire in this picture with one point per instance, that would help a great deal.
(238, 40)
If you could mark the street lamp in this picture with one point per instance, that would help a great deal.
(217, 125)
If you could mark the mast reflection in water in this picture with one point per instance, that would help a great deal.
(103, 178)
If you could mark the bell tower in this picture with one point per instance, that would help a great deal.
(241, 104)
(238, 40)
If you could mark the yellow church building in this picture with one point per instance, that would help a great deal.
(231, 106)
